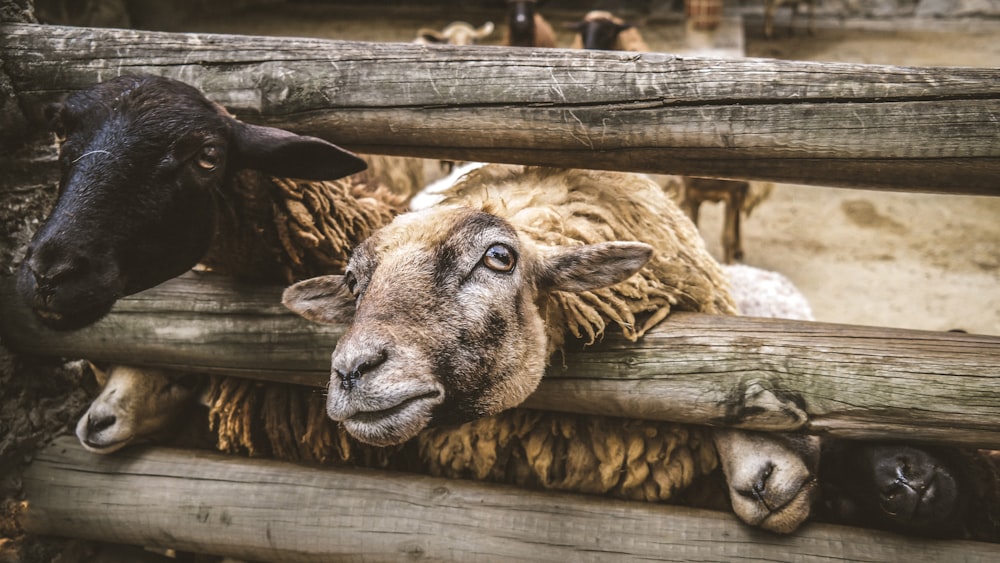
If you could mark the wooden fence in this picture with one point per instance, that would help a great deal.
(829, 124)
(764, 374)
(826, 124)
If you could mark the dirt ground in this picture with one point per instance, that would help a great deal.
(919, 261)
(861, 257)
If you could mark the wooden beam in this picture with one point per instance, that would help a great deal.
(832, 124)
(267, 510)
(766, 374)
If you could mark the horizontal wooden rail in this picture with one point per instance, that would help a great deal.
(765, 374)
(265, 510)
(832, 124)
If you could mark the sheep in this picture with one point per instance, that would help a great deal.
(455, 33)
(487, 285)
(942, 492)
(136, 405)
(197, 202)
(763, 293)
(738, 197)
(662, 461)
(126, 239)
(859, 481)
(526, 27)
(770, 6)
(928, 491)
(603, 30)
(156, 178)
(641, 460)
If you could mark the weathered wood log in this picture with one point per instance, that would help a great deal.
(881, 127)
(765, 374)
(267, 510)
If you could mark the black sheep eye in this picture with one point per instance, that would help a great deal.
(208, 158)
(352, 283)
(499, 258)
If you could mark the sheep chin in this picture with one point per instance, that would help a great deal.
(791, 515)
(396, 424)
(104, 449)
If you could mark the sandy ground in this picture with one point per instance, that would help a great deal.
(862, 257)
(889, 259)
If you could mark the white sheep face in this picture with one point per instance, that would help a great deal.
(134, 405)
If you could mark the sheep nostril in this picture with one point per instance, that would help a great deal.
(102, 423)
(349, 378)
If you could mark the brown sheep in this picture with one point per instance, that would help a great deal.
(603, 30)
(737, 197)
(641, 460)
(457, 308)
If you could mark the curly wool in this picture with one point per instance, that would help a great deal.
(287, 230)
(629, 459)
(283, 421)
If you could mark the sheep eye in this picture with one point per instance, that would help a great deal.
(208, 158)
(499, 258)
(352, 283)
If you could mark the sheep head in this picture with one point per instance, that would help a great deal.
(600, 30)
(456, 33)
(445, 318)
(134, 405)
(521, 22)
(144, 161)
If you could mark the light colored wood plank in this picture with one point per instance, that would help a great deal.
(767, 374)
(266, 510)
(833, 124)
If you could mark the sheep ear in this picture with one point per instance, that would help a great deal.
(100, 375)
(283, 153)
(323, 299)
(431, 35)
(593, 266)
(484, 30)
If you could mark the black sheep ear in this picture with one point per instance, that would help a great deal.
(51, 116)
(282, 153)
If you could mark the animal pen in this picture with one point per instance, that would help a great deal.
(861, 126)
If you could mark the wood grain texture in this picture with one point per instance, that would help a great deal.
(266, 510)
(832, 124)
(764, 374)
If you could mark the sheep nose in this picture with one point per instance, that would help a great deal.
(96, 424)
(349, 377)
(759, 490)
(50, 266)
